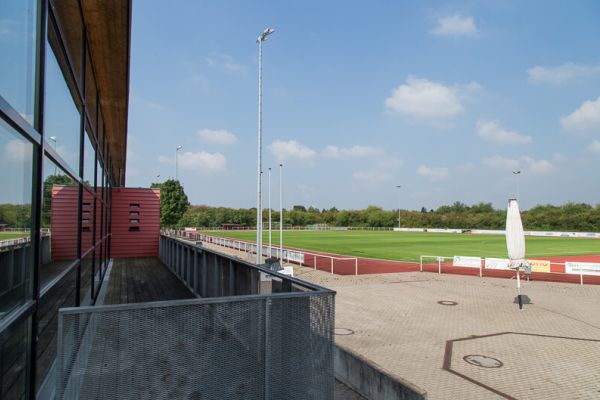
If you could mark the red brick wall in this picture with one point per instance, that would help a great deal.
(131, 238)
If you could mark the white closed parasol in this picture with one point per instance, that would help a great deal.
(515, 243)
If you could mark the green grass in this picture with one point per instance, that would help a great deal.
(409, 246)
(16, 235)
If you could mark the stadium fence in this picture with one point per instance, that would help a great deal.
(568, 271)
(324, 262)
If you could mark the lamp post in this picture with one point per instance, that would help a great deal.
(54, 139)
(516, 174)
(270, 234)
(398, 187)
(281, 214)
(177, 161)
(263, 36)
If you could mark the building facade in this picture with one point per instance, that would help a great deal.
(64, 78)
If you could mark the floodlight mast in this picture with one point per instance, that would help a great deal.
(177, 161)
(516, 174)
(281, 214)
(398, 187)
(263, 36)
(270, 232)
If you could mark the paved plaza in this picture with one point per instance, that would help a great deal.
(476, 344)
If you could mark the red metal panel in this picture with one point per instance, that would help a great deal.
(63, 217)
(135, 218)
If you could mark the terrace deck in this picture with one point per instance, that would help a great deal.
(138, 280)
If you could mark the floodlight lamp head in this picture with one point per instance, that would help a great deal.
(263, 36)
(516, 172)
(53, 138)
(179, 147)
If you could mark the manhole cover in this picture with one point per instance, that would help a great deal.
(447, 303)
(483, 361)
(343, 331)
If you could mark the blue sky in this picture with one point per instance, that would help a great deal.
(445, 99)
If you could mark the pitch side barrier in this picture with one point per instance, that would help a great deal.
(323, 262)
(543, 270)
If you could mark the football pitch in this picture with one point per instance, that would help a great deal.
(409, 246)
(15, 235)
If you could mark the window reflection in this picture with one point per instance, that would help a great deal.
(17, 46)
(62, 123)
(16, 266)
(59, 222)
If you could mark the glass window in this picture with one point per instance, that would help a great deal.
(16, 266)
(61, 115)
(14, 365)
(89, 161)
(59, 220)
(62, 294)
(17, 46)
(60, 201)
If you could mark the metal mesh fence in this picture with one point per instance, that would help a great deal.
(250, 347)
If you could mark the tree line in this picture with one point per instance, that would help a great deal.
(177, 212)
(567, 217)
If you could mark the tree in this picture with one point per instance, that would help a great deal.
(299, 208)
(52, 180)
(173, 202)
(423, 210)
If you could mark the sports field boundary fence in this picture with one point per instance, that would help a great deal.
(318, 261)
(542, 269)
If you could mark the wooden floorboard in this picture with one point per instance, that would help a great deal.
(135, 280)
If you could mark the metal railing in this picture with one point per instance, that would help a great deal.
(320, 261)
(254, 334)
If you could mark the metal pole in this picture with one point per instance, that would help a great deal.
(439, 265)
(270, 233)
(398, 186)
(331, 265)
(281, 212)
(356, 266)
(259, 167)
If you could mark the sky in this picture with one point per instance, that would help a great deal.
(445, 99)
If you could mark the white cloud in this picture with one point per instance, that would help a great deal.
(217, 135)
(466, 167)
(493, 132)
(562, 73)
(284, 150)
(18, 150)
(434, 174)
(455, 25)
(383, 170)
(525, 163)
(559, 157)
(346, 152)
(165, 160)
(203, 161)
(594, 146)
(585, 118)
(425, 99)
(500, 162)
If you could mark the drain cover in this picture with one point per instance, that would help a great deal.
(447, 303)
(483, 361)
(343, 331)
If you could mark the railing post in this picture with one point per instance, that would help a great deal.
(421, 263)
(356, 266)
(439, 265)
(315, 261)
(580, 275)
(331, 265)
